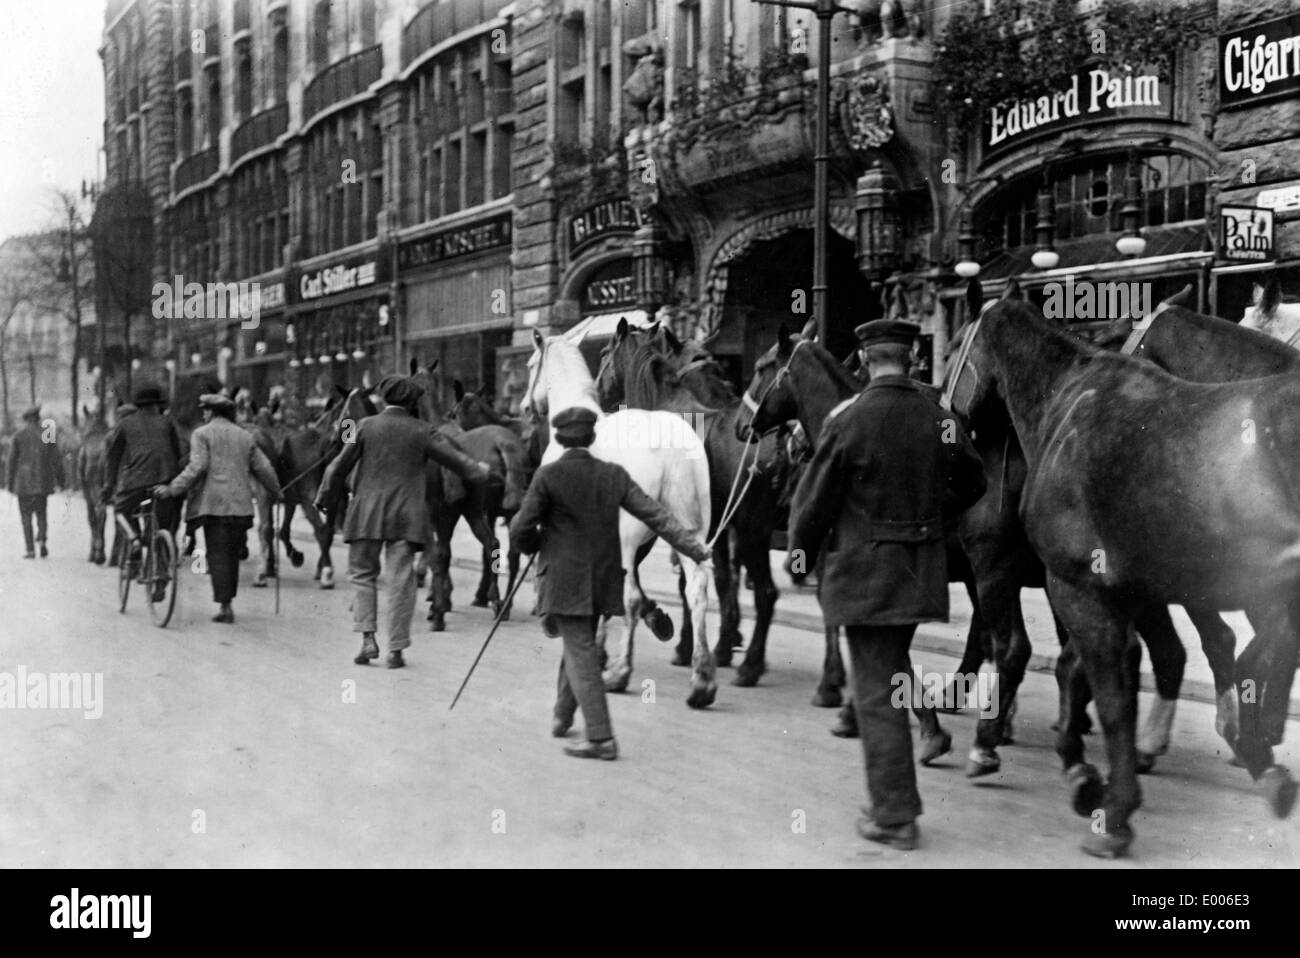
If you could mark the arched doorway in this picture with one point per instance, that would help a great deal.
(768, 283)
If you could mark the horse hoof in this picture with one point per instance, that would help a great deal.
(702, 697)
(296, 559)
(437, 623)
(828, 699)
(1146, 762)
(1086, 790)
(659, 623)
(846, 725)
(1109, 844)
(747, 677)
(722, 658)
(1279, 790)
(503, 614)
(479, 603)
(681, 657)
(616, 681)
(259, 581)
(935, 746)
(981, 762)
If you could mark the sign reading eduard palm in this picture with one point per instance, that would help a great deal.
(1092, 93)
(476, 237)
(1260, 61)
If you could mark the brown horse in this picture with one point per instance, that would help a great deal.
(1145, 490)
(92, 462)
(799, 380)
(651, 370)
(480, 505)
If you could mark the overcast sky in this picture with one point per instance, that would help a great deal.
(51, 105)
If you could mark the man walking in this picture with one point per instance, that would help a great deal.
(143, 449)
(389, 512)
(35, 469)
(570, 515)
(886, 471)
(223, 461)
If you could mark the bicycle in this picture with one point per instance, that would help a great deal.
(154, 567)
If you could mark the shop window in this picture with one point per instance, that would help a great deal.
(280, 64)
(321, 34)
(502, 175)
(474, 168)
(453, 174)
(244, 89)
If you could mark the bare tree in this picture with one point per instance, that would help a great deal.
(65, 279)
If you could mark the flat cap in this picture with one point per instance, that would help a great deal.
(32, 413)
(148, 396)
(216, 401)
(399, 390)
(574, 422)
(887, 331)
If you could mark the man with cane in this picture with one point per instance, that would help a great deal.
(570, 516)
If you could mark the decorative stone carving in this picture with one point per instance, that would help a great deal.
(645, 85)
(865, 114)
(888, 15)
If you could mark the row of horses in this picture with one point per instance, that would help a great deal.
(300, 452)
(1120, 481)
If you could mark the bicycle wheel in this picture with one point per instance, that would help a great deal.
(161, 578)
(124, 578)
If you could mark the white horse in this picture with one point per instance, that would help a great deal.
(665, 457)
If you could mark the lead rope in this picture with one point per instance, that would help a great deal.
(733, 501)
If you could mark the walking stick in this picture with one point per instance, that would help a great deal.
(505, 605)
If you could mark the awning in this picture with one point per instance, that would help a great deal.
(604, 325)
(1096, 251)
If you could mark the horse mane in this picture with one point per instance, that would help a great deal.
(570, 368)
(650, 381)
(832, 367)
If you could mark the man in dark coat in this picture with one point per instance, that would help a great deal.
(570, 514)
(35, 469)
(144, 450)
(388, 513)
(887, 470)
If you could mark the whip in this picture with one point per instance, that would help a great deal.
(505, 605)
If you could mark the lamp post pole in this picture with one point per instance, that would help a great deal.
(824, 10)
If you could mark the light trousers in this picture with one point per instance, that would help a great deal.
(363, 570)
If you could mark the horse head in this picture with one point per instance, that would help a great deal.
(769, 401)
(616, 361)
(533, 402)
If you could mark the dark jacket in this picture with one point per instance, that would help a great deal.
(570, 514)
(35, 467)
(389, 452)
(143, 450)
(887, 472)
(219, 477)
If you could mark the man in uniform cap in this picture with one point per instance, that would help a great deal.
(886, 472)
(35, 469)
(144, 449)
(570, 515)
(389, 512)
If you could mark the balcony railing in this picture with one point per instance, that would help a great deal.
(436, 22)
(347, 78)
(196, 169)
(259, 130)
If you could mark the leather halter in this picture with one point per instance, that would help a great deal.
(781, 373)
(962, 365)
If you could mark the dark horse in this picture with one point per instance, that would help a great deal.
(480, 505)
(651, 370)
(92, 462)
(300, 456)
(1144, 490)
(798, 379)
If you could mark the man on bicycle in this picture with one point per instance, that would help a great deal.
(144, 450)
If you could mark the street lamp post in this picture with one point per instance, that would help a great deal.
(824, 10)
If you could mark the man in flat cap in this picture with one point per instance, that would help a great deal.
(224, 462)
(144, 449)
(34, 470)
(389, 513)
(570, 514)
(887, 470)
